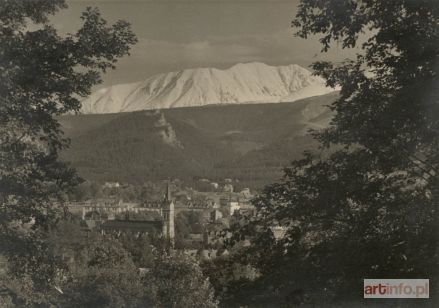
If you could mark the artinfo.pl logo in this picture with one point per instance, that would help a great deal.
(396, 288)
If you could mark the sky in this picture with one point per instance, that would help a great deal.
(180, 34)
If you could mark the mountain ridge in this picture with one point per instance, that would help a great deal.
(247, 83)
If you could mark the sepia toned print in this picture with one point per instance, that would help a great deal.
(215, 153)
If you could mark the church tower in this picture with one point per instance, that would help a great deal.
(168, 215)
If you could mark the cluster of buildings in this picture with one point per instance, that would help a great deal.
(115, 217)
(158, 218)
(207, 185)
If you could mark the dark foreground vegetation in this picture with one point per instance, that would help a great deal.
(366, 210)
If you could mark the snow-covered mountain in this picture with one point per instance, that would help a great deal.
(242, 83)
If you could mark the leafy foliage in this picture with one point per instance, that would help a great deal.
(43, 75)
(104, 276)
(369, 209)
(176, 280)
(187, 222)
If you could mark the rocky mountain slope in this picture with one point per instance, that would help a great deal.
(250, 142)
(240, 84)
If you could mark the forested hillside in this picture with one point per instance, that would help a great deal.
(247, 142)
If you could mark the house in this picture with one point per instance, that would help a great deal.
(278, 232)
(215, 215)
(208, 254)
(232, 206)
(111, 185)
(247, 209)
(228, 188)
(138, 228)
(246, 193)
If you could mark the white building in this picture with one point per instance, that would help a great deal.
(232, 206)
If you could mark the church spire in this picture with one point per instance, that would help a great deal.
(168, 197)
(168, 214)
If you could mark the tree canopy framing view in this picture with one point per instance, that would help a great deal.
(359, 199)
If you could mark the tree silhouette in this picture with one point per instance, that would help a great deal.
(369, 209)
(43, 75)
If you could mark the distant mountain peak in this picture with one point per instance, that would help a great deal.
(242, 83)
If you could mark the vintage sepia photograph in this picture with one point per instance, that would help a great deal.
(219, 153)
